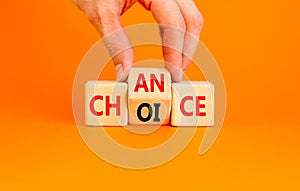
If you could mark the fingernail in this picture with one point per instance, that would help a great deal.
(121, 75)
(176, 72)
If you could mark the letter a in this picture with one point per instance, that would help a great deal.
(141, 83)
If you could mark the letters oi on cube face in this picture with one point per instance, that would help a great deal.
(150, 96)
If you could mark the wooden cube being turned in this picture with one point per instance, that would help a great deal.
(192, 104)
(106, 103)
(149, 96)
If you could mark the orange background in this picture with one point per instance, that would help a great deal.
(256, 44)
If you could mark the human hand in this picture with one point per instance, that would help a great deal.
(180, 23)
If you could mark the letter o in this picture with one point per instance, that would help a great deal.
(139, 112)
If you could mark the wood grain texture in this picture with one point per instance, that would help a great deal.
(190, 102)
(108, 95)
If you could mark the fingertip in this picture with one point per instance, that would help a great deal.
(175, 71)
(121, 74)
(123, 62)
(185, 63)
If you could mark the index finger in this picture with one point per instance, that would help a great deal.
(172, 26)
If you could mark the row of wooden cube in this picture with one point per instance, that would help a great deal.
(149, 98)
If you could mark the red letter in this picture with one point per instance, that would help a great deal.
(160, 86)
(141, 83)
(183, 111)
(109, 105)
(198, 106)
(92, 105)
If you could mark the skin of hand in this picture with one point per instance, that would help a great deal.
(180, 22)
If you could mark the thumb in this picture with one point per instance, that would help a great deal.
(121, 52)
(123, 62)
(117, 43)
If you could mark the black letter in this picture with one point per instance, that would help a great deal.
(156, 119)
(139, 112)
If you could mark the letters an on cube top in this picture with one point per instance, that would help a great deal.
(149, 96)
(106, 103)
(192, 104)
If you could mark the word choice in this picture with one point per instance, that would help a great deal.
(149, 98)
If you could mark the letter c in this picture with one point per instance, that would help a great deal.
(182, 109)
(92, 105)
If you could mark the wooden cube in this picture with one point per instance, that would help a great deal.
(192, 104)
(149, 96)
(106, 103)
